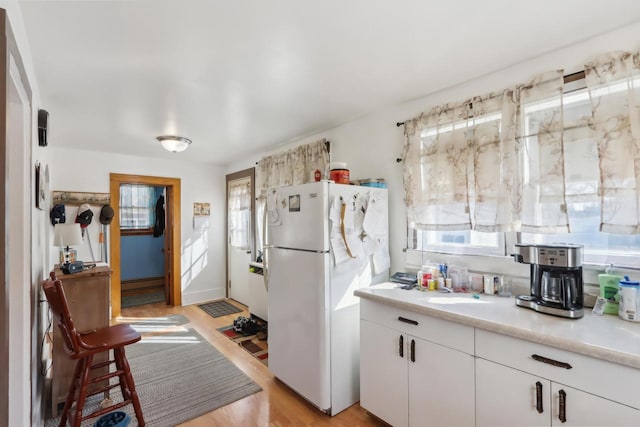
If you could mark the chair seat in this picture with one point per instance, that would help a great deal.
(112, 337)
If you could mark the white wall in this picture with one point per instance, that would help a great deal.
(371, 144)
(203, 264)
(33, 234)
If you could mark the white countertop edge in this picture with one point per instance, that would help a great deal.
(609, 354)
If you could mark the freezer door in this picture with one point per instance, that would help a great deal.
(299, 323)
(297, 217)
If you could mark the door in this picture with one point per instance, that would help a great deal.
(573, 407)
(441, 385)
(297, 216)
(506, 397)
(239, 236)
(299, 322)
(383, 373)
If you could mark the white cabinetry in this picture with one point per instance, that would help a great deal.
(546, 393)
(415, 370)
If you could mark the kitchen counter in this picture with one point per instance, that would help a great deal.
(605, 337)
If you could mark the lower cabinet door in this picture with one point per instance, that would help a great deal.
(573, 407)
(506, 397)
(441, 385)
(383, 373)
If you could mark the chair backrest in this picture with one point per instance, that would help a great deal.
(58, 303)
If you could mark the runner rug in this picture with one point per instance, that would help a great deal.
(179, 375)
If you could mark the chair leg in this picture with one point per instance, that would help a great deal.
(120, 355)
(124, 386)
(82, 395)
(71, 394)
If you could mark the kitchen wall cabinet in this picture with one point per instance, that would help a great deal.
(408, 380)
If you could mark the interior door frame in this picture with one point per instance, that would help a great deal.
(9, 49)
(173, 243)
(246, 173)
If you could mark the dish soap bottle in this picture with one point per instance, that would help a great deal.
(609, 290)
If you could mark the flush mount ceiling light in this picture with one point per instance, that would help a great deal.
(174, 143)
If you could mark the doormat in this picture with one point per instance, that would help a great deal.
(142, 298)
(219, 308)
(254, 344)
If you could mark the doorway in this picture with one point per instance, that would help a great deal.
(172, 238)
(240, 230)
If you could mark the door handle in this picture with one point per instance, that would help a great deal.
(413, 350)
(562, 415)
(539, 397)
(405, 320)
(553, 362)
(401, 348)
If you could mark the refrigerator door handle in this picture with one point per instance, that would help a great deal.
(265, 249)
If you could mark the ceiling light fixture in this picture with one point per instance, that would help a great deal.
(174, 143)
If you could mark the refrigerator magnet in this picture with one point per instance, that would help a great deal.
(294, 203)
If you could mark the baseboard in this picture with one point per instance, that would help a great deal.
(199, 297)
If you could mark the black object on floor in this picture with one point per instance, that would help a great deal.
(219, 308)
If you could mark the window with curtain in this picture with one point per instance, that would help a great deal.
(551, 162)
(137, 206)
(239, 215)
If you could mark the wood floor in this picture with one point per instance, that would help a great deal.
(276, 405)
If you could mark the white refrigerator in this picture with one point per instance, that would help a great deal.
(311, 275)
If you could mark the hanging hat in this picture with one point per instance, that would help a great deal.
(106, 214)
(57, 214)
(84, 215)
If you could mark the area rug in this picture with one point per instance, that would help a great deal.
(219, 308)
(142, 298)
(254, 344)
(179, 376)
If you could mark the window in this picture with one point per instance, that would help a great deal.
(137, 206)
(582, 200)
(239, 213)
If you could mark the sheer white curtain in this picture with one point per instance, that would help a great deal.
(294, 166)
(614, 88)
(492, 163)
(437, 163)
(291, 167)
(239, 213)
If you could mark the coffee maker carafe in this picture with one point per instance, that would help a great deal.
(556, 278)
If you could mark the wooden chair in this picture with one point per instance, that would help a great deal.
(82, 346)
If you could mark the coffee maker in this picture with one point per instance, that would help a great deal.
(556, 278)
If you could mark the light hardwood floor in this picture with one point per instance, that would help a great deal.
(276, 405)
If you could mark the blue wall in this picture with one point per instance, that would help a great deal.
(141, 257)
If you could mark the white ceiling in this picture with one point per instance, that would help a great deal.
(236, 76)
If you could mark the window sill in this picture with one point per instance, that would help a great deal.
(137, 232)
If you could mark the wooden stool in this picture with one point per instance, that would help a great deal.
(82, 346)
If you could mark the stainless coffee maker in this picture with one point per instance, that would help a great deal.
(556, 278)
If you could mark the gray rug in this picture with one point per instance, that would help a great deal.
(143, 298)
(179, 376)
(219, 308)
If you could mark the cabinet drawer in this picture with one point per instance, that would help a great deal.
(599, 377)
(443, 332)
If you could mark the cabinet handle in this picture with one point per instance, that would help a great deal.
(551, 361)
(413, 350)
(401, 349)
(562, 416)
(405, 320)
(539, 397)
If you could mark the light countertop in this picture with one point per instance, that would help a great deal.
(604, 337)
